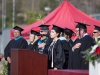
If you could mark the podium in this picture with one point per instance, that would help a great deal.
(27, 62)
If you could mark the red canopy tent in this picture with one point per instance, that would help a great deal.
(64, 15)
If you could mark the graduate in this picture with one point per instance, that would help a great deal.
(68, 35)
(67, 45)
(45, 40)
(17, 43)
(96, 32)
(83, 43)
(56, 57)
(33, 38)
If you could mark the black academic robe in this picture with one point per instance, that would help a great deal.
(48, 42)
(70, 43)
(14, 44)
(75, 57)
(33, 47)
(58, 55)
(99, 39)
(65, 47)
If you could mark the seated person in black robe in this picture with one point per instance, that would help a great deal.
(56, 57)
(83, 43)
(17, 43)
(33, 38)
(67, 45)
(96, 33)
(45, 40)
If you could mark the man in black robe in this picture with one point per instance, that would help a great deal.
(84, 42)
(96, 33)
(17, 43)
(44, 42)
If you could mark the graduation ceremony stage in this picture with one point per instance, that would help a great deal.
(20, 65)
(68, 72)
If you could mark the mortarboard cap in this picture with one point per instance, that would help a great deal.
(18, 28)
(68, 31)
(97, 27)
(81, 25)
(44, 27)
(57, 29)
(34, 32)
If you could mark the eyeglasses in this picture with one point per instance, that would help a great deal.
(95, 32)
(41, 31)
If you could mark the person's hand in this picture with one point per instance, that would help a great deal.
(41, 45)
(55, 68)
(9, 59)
(76, 46)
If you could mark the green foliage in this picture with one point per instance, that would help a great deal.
(33, 16)
(9, 6)
(91, 54)
(5, 68)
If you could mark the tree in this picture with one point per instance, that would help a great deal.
(33, 16)
(50, 3)
(9, 6)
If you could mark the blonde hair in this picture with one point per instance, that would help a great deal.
(35, 38)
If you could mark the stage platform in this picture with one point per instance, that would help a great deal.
(68, 72)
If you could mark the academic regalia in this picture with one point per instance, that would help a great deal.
(44, 27)
(71, 55)
(14, 44)
(43, 50)
(57, 56)
(47, 40)
(75, 58)
(67, 44)
(33, 46)
(98, 29)
(17, 43)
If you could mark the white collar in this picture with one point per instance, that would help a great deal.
(99, 37)
(85, 34)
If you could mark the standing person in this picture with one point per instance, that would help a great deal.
(17, 43)
(56, 56)
(45, 40)
(33, 38)
(67, 45)
(96, 32)
(84, 42)
(68, 35)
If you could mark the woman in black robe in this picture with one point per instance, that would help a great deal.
(33, 38)
(67, 44)
(56, 56)
(17, 43)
